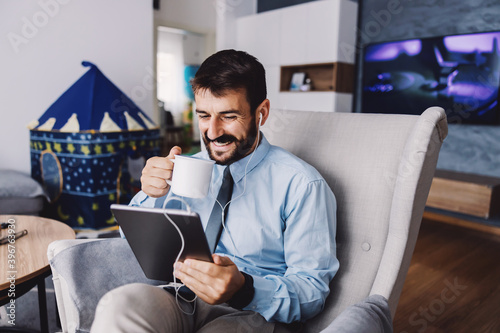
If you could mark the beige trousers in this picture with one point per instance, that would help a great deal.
(144, 308)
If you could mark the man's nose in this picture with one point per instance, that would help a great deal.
(215, 128)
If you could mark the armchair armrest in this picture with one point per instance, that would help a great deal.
(372, 315)
(84, 270)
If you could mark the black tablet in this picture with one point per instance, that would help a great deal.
(156, 242)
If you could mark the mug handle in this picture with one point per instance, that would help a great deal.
(169, 182)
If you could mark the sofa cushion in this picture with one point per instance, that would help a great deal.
(19, 193)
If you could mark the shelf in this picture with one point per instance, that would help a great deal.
(334, 76)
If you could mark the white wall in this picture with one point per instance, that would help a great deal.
(43, 43)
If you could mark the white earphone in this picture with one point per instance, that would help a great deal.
(260, 120)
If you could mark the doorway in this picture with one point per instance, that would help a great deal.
(179, 55)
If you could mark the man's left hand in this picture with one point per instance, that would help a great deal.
(214, 283)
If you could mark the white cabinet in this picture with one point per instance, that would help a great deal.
(246, 36)
(259, 35)
(336, 22)
(268, 36)
(315, 101)
(310, 33)
(293, 35)
(346, 42)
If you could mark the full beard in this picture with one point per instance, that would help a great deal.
(242, 149)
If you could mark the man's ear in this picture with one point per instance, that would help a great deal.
(263, 111)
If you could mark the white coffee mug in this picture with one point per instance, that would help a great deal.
(191, 176)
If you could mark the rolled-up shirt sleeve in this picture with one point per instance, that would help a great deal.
(310, 255)
(142, 199)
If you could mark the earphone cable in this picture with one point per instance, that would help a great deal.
(178, 286)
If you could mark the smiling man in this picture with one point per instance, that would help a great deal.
(275, 254)
(231, 134)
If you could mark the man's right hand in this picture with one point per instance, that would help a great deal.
(156, 171)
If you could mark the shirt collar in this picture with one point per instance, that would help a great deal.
(238, 168)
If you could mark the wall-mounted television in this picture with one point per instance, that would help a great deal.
(459, 73)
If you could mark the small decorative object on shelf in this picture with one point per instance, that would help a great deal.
(297, 81)
(307, 86)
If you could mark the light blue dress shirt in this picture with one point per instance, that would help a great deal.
(282, 219)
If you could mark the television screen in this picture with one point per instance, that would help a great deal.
(460, 73)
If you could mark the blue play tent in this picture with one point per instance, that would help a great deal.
(88, 150)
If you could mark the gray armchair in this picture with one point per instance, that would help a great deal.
(380, 168)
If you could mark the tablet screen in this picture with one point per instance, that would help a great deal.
(156, 242)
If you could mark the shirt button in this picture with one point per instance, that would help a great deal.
(366, 247)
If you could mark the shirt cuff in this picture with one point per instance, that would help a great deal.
(244, 296)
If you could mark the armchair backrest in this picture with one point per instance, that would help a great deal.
(380, 168)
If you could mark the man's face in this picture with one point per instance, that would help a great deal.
(228, 127)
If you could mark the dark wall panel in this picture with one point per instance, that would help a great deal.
(265, 5)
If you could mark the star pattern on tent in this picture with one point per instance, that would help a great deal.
(70, 147)
(57, 147)
(98, 149)
(80, 220)
(85, 149)
(110, 148)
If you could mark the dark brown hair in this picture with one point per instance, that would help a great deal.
(229, 70)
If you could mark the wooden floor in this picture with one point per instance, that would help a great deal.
(453, 284)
